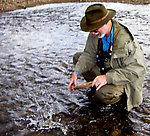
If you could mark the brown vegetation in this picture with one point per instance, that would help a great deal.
(8, 5)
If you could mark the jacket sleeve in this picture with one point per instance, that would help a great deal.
(128, 64)
(88, 59)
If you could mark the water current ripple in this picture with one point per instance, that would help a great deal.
(37, 45)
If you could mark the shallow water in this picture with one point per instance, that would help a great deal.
(37, 45)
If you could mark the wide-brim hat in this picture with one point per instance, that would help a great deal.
(95, 17)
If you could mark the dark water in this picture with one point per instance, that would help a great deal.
(36, 49)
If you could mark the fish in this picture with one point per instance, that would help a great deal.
(84, 85)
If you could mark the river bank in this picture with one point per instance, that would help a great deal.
(9, 5)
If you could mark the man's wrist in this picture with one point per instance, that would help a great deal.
(77, 73)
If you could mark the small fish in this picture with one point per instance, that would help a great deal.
(84, 85)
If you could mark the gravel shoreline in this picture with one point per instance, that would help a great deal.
(9, 5)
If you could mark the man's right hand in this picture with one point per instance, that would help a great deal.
(73, 82)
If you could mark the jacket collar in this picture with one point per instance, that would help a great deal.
(116, 30)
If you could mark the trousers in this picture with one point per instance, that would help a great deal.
(107, 94)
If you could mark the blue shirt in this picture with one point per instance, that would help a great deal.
(106, 42)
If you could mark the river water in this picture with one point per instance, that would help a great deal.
(36, 49)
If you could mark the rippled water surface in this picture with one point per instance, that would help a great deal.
(36, 49)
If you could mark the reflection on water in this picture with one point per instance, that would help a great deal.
(37, 46)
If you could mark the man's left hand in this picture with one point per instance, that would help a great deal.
(99, 81)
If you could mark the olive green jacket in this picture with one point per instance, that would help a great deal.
(127, 62)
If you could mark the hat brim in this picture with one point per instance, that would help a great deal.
(92, 27)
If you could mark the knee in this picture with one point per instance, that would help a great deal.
(76, 57)
(108, 94)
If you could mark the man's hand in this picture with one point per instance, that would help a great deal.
(99, 81)
(73, 82)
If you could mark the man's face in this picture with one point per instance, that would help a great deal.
(101, 32)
